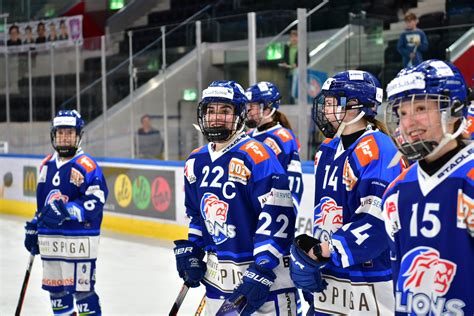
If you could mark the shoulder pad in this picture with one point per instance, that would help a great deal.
(87, 163)
(283, 134)
(255, 150)
(470, 174)
(399, 178)
(45, 160)
(367, 150)
(327, 140)
(196, 150)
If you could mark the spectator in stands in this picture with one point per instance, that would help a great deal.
(28, 36)
(53, 34)
(41, 30)
(14, 33)
(412, 42)
(64, 34)
(150, 143)
(290, 61)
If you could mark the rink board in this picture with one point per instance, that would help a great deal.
(146, 198)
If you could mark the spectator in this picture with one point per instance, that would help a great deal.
(150, 143)
(412, 42)
(41, 30)
(14, 33)
(290, 61)
(63, 32)
(53, 34)
(28, 36)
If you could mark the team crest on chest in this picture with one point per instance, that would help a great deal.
(54, 195)
(328, 215)
(215, 214)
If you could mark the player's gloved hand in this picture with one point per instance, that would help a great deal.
(53, 214)
(255, 288)
(304, 271)
(31, 238)
(191, 267)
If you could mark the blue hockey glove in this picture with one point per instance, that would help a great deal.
(31, 238)
(304, 271)
(191, 267)
(53, 215)
(255, 288)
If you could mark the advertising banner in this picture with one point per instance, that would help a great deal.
(42, 35)
(143, 192)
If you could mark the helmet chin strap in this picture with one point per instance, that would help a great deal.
(344, 124)
(447, 137)
(269, 115)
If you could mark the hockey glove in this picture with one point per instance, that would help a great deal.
(255, 288)
(191, 267)
(304, 271)
(31, 238)
(53, 215)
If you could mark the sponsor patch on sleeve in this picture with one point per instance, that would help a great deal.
(87, 163)
(277, 198)
(283, 134)
(367, 150)
(238, 172)
(270, 142)
(390, 215)
(256, 151)
(189, 170)
(465, 212)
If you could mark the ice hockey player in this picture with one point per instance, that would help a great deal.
(65, 230)
(271, 126)
(238, 199)
(353, 167)
(429, 208)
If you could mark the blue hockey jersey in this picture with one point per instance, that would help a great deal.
(349, 184)
(80, 184)
(241, 211)
(430, 224)
(284, 144)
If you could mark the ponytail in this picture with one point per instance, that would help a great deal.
(282, 119)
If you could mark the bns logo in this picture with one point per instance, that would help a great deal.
(214, 212)
(328, 215)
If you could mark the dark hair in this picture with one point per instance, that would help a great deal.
(294, 31)
(28, 28)
(410, 16)
(40, 24)
(143, 117)
(62, 22)
(282, 119)
(12, 28)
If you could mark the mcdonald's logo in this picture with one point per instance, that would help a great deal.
(29, 181)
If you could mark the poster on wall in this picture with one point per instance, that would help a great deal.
(42, 35)
(148, 193)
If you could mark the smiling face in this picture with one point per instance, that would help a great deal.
(66, 137)
(220, 115)
(420, 120)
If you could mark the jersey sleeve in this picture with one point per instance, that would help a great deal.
(87, 174)
(366, 177)
(271, 198)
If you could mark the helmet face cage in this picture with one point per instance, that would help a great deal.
(267, 95)
(67, 120)
(221, 113)
(219, 121)
(432, 94)
(349, 90)
(418, 122)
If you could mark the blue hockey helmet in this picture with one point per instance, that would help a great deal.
(67, 119)
(267, 95)
(351, 90)
(433, 85)
(218, 125)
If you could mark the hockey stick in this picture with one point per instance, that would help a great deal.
(230, 308)
(31, 259)
(201, 306)
(179, 300)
